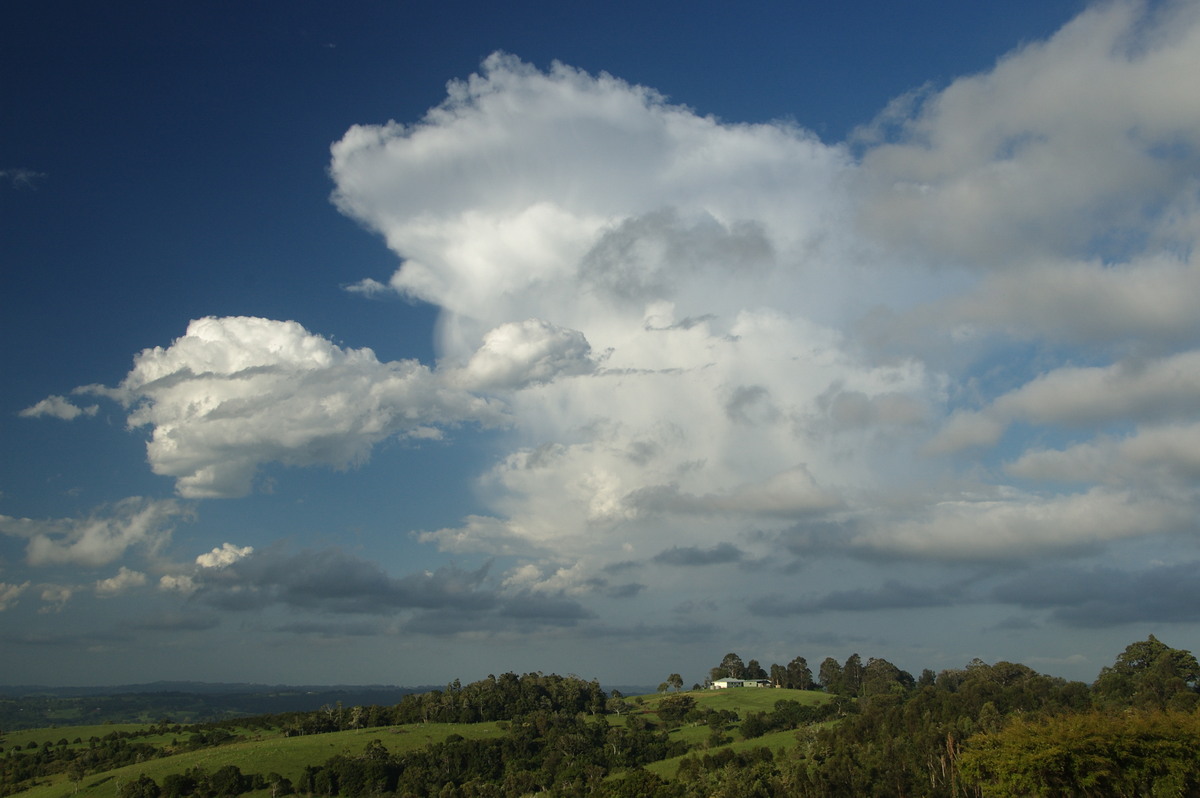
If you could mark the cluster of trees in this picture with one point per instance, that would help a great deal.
(851, 678)
(227, 781)
(493, 698)
(995, 730)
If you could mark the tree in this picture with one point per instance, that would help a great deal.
(1150, 674)
(675, 681)
(799, 675)
(1092, 753)
(830, 675)
(881, 677)
(141, 787)
(852, 675)
(674, 707)
(731, 666)
(754, 670)
(228, 781)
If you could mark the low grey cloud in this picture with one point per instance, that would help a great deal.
(332, 581)
(1105, 597)
(627, 590)
(787, 494)
(177, 622)
(694, 555)
(892, 595)
(333, 629)
(554, 610)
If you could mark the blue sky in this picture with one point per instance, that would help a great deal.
(399, 342)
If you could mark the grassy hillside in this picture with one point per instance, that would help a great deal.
(268, 751)
(264, 753)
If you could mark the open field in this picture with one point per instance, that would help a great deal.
(52, 735)
(265, 753)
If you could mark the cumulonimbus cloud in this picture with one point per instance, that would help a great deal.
(702, 331)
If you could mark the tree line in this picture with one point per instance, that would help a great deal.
(851, 678)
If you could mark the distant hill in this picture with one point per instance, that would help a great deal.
(200, 688)
(38, 706)
(35, 706)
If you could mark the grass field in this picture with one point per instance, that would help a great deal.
(53, 734)
(266, 753)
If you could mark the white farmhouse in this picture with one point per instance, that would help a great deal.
(725, 684)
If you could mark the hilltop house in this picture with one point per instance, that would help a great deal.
(725, 684)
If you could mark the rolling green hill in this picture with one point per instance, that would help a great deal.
(256, 749)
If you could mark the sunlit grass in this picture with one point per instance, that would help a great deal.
(268, 752)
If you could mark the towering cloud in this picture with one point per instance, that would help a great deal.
(764, 334)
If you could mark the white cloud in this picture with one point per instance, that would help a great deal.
(519, 354)
(9, 593)
(226, 554)
(688, 276)
(1164, 456)
(1154, 301)
(123, 581)
(55, 597)
(58, 407)
(1027, 527)
(720, 272)
(1086, 140)
(1133, 390)
(178, 583)
(101, 537)
(235, 393)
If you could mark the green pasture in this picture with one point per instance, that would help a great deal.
(776, 741)
(267, 753)
(53, 734)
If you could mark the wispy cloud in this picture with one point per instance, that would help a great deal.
(58, 407)
(22, 178)
(101, 537)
